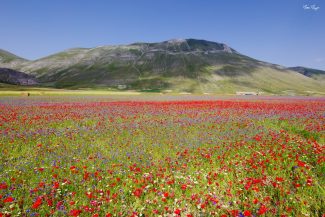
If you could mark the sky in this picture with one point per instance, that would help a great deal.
(285, 32)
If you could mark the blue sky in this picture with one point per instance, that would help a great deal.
(277, 31)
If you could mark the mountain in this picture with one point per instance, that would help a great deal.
(181, 65)
(10, 76)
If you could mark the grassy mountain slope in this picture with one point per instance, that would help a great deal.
(7, 58)
(177, 65)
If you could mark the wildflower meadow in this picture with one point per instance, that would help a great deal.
(226, 157)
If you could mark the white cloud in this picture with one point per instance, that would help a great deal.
(311, 7)
(314, 7)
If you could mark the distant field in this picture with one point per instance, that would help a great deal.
(13, 90)
(203, 90)
(161, 155)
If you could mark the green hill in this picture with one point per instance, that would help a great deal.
(190, 65)
(7, 57)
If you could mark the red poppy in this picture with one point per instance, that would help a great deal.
(262, 210)
(56, 185)
(301, 163)
(37, 203)
(279, 179)
(8, 200)
(75, 212)
(177, 211)
(247, 213)
(3, 186)
(137, 192)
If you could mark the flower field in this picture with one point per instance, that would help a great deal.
(162, 158)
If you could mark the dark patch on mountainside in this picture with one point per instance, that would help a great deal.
(307, 71)
(10, 76)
